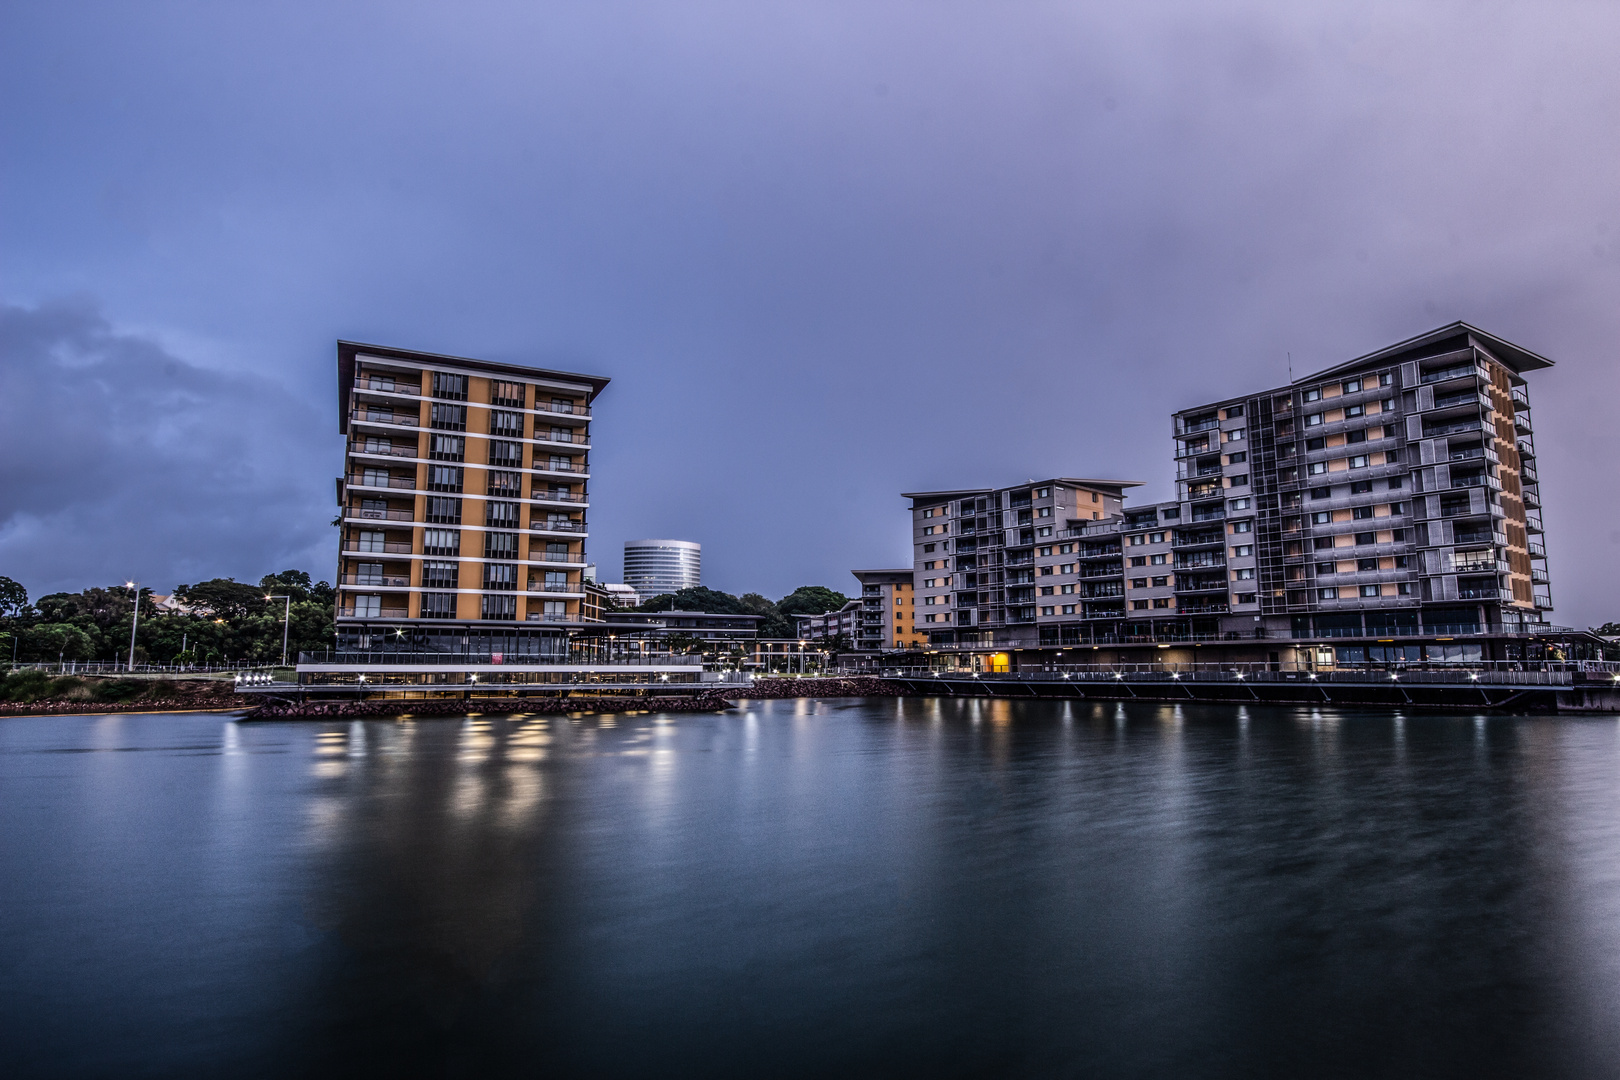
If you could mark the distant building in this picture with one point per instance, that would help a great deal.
(656, 567)
(623, 595)
(846, 621)
(888, 616)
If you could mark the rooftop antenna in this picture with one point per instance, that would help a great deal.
(1290, 369)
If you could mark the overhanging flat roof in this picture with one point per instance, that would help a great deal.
(1116, 485)
(1518, 358)
(348, 350)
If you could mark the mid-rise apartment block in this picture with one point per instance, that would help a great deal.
(463, 507)
(1382, 509)
(888, 615)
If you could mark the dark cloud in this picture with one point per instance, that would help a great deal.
(119, 459)
(831, 252)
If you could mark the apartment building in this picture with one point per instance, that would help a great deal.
(888, 615)
(463, 507)
(1383, 509)
(982, 555)
(846, 621)
(464, 492)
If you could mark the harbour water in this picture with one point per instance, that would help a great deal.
(814, 888)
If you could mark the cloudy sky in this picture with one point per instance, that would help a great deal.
(827, 252)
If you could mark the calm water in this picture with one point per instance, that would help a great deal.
(812, 889)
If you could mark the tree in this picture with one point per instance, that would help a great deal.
(293, 583)
(811, 600)
(225, 598)
(709, 601)
(13, 599)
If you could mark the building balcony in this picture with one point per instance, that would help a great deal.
(1440, 428)
(1457, 371)
(558, 469)
(565, 588)
(1538, 550)
(1090, 572)
(1203, 425)
(1479, 592)
(1539, 576)
(1470, 396)
(1199, 539)
(566, 498)
(359, 449)
(378, 547)
(561, 410)
(360, 480)
(542, 617)
(363, 516)
(374, 581)
(557, 557)
(386, 384)
(574, 527)
(383, 416)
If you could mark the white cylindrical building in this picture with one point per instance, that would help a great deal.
(655, 567)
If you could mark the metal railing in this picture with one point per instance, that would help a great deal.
(361, 480)
(378, 451)
(1456, 372)
(375, 547)
(381, 515)
(562, 497)
(373, 416)
(374, 384)
(557, 526)
(384, 581)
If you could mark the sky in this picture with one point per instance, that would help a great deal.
(827, 252)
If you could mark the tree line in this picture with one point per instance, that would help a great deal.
(218, 621)
(776, 618)
(223, 620)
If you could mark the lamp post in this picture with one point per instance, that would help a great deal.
(286, 622)
(134, 621)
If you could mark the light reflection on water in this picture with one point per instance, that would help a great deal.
(953, 887)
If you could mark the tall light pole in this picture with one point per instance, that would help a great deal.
(134, 621)
(286, 621)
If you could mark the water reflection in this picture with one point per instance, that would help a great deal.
(818, 888)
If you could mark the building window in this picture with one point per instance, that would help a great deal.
(370, 541)
(1139, 605)
(1330, 593)
(1048, 611)
(441, 541)
(509, 485)
(1043, 511)
(445, 477)
(1244, 574)
(1392, 457)
(505, 423)
(1243, 551)
(447, 447)
(1043, 493)
(1139, 582)
(1161, 582)
(1158, 560)
(1048, 590)
(1067, 589)
(502, 576)
(1353, 411)
(1246, 597)
(1313, 419)
(499, 607)
(438, 605)
(1138, 560)
(500, 545)
(1240, 480)
(1361, 513)
(1314, 394)
(367, 607)
(505, 454)
(507, 393)
(1326, 569)
(1242, 526)
(1359, 461)
(1161, 602)
(1353, 386)
(1321, 493)
(449, 417)
(1322, 517)
(450, 387)
(1240, 504)
(1369, 590)
(1363, 538)
(443, 511)
(438, 574)
(1138, 540)
(1157, 538)
(1234, 411)
(1317, 468)
(501, 515)
(1068, 609)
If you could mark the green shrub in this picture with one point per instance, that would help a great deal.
(69, 688)
(119, 689)
(24, 686)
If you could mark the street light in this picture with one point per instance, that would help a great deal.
(286, 622)
(134, 621)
